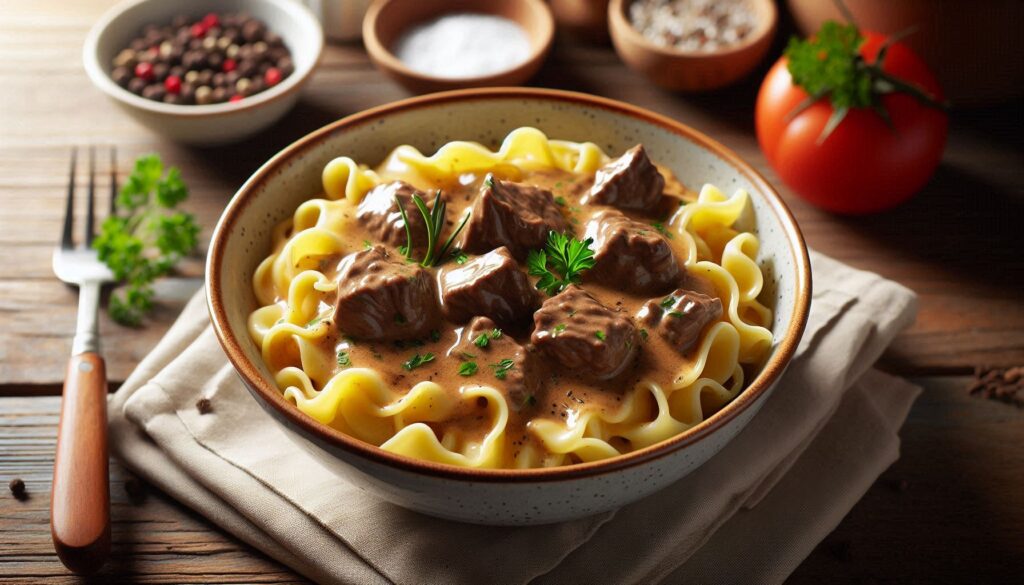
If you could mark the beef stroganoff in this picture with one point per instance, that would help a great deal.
(535, 306)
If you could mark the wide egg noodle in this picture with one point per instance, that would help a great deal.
(291, 321)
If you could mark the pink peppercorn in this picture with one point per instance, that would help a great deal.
(197, 30)
(235, 98)
(211, 20)
(172, 84)
(229, 65)
(144, 71)
(272, 77)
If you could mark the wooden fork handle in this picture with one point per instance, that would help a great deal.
(80, 502)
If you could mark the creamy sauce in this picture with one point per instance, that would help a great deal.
(561, 398)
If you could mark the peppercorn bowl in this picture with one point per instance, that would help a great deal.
(206, 124)
(244, 235)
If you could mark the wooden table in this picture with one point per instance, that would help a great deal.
(951, 510)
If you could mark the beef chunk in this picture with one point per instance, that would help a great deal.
(381, 217)
(490, 285)
(681, 317)
(631, 255)
(583, 335)
(512, 215)
(381, 296)
(521, 380)
(630, 182)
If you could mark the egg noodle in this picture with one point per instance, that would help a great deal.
(293, 294)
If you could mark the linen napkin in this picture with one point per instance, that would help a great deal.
(751, 514)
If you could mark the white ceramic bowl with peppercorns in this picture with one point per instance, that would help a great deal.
(183, 110)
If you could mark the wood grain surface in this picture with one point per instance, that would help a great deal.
(957, 244)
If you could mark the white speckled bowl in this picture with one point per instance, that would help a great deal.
(211, 124)
(532, 496)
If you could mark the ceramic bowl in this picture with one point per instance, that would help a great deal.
(215, 123)
(680, 70)
(531, 496)
(386, 20)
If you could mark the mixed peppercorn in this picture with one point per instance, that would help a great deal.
(214, 59)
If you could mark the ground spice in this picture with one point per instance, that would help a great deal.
(1002, 384)
(204, 406)
(17, 486)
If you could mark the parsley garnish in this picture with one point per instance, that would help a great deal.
(667, 302)
(529, 400)
(434, 219)
(489, 181)
(829, 66)
(675, 314)
(643, 334)
(484, 339)
(466, 355)
(314, 321)
(146, 236)
(566, 255)
(600, 335)
(343, 359)
(558, 329)
(459, 256)
(467, 369)
(417, 361)
(660, 227)
(367, 244)
(560, 201)
(502, 368)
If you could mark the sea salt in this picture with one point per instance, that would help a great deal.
(464, 45)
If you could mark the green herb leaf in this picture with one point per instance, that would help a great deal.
(343, 359)
(600, 335)
(496, 333)
(560, 201)
(459, 256)
(146, 236)
(558, 329)
(667, 302)
(435, 335)
(467, 369)
(660, 227)
(643, 334)
(417, 361)
(568, 257)
(675, 314)
(502, 368)
(482, 340)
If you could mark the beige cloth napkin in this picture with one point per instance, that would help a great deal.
(750, 515)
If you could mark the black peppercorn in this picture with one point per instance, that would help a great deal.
(136, 85)
(121, 76)
(17, 487)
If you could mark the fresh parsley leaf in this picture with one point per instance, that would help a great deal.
(643, 334)
(343, 359)
(482, 340)
(561, 201)
(489, 181)
(600, 335)
(459, 256)
(667, 302)
(367, 244)
(467, 369)
(558, 329)
(502, 368)
(675, 314)
(568, 257)
(496, 333)
(417, 361)
(146, 236)
(660, 227)
(466, 355)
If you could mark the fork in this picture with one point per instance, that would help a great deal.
(80, 501)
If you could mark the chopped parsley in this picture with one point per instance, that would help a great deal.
(502, 368)
(662, 229)
(367, 245)
(343, 359)
(667, 302)
(675, 314)
(529, 400)
(484, 339)
(460, 256)
(467, 369)
(417, 361)
(314, 321)
(489, 181)
(643, 334)
(466, 355)
(558, 329)
(561, 201)
(600, 335)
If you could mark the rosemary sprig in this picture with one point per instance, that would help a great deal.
(434, 219)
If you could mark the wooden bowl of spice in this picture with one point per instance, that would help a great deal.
(436, 45)
(692, 45)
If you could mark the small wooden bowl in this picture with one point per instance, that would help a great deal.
(386, 20)
(680, 70)
(583, 19)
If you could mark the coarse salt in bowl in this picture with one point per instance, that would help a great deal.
(432, 45)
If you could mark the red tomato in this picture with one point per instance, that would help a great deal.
(863, 165)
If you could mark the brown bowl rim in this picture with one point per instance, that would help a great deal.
(273, 397)
(387, 60)
(619, 23)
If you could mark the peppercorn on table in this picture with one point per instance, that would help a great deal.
(950, 510)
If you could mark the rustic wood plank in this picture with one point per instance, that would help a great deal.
(958, 517)
(155, 540)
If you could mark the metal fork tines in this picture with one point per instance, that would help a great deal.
(80, 265)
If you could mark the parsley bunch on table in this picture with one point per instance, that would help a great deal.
(145, 236)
